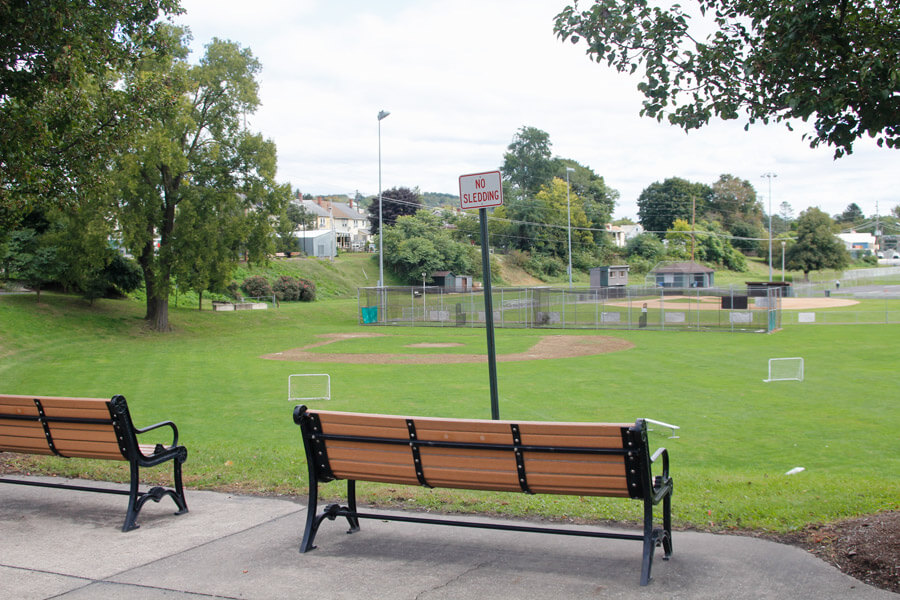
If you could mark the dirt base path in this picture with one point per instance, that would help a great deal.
(551, 346)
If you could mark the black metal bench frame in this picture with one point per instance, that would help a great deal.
(641, 485)
(126, 433)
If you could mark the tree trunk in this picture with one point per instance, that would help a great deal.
(200, 301)
(158, 313)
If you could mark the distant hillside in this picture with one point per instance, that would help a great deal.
(435, 199)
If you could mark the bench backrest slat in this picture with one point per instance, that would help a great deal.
(558, 458)
(78, 427)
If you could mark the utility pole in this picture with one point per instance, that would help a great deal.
(693, 228)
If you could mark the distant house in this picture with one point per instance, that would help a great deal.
(612, 276)
(622, 233)
(350, 225)
(683, 275)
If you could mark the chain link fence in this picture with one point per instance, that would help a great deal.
(684, 309)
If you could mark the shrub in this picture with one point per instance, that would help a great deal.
(256, 286)
(287, 289)
(307, 290)
(543, 266)
(517, 258)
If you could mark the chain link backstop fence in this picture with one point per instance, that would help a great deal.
(687, 309)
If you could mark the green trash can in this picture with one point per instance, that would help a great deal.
(369, 314)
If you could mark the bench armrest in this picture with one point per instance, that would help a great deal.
(662, 484)
(157, 426)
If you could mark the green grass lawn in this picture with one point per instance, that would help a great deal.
(738, 434)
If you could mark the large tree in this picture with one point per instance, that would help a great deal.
(63, 102)
(733, 201)
(833, 61)
(816, 247)
(660, 204)
(196, 186)
(598, 199)
(528, 163)
(420, 243)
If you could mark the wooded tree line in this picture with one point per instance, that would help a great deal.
(111, 139)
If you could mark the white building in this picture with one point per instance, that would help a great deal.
(622, 233)
(859, 241)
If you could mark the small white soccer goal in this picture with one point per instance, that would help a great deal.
(309, 386)
(785, 369)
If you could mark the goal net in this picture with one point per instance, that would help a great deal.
(785, 369)
(309, 386)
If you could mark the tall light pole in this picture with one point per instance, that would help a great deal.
(783, 244)
(769, 176)
(381, 115)
(569, 220)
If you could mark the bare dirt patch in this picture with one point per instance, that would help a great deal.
(867, 548)
(551, 346)
(433, 345)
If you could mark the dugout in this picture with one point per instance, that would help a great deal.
(760, 289)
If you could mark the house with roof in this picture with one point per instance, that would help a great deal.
(682, 275)
(349, 224)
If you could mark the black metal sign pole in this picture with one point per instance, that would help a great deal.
(489, 313)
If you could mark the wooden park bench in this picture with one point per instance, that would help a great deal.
(581, 459)
(89, 428)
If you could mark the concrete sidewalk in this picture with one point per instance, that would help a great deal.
(67, 544)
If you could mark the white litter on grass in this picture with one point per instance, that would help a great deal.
(795, 470)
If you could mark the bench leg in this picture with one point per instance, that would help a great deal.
(136, 499)
(351, 505)
(650, 540)
(312, 523)
(667, 526)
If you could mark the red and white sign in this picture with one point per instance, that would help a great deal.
(480, 190)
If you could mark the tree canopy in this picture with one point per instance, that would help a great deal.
(834, 61)
(419, 243)
(398, 201)
(816, 247)
(660, 204)
(63, 102)
(528, 163)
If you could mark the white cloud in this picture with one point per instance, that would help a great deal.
(460, 78)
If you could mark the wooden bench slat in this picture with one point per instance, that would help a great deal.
(14, 405)
(381, 473)
(89, 431)
(612, 466)
(16, 428)
(25, 448)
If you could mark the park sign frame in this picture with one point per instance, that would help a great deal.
(480, 190)
(483, 191)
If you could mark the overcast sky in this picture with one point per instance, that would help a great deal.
(460, 78)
